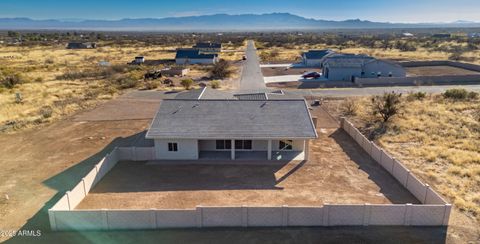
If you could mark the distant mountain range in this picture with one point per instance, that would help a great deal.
(272, 21)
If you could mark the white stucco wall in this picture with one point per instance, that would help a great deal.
(187, 149)
(313, 62)
(344, 73)
(194, 61)
(385, 68)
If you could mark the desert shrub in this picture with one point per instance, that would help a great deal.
(221, 69)
(49, 61)
(187, 83)
(9, 79)
(152, 84)
(38, 79)
(349, 107)
(386, 105)
(126, 82)
(416, 96)
(472, 95)
(168, 82)
(46, 112)
(75, 75)
(215, 84)
(92, 93)
(456, 94)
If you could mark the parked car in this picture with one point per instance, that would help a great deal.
(314, 75)
(244, 57)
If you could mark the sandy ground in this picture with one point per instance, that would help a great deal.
(438, 71)
(338, 172)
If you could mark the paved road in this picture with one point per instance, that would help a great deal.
(347, 92)
(252, 78)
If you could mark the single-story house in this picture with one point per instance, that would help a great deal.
(315, 58)
(81, 45)
(347, 67)
(194, 56)
(208, 47)
(210, 124)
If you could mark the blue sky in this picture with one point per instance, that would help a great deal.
(376, 10)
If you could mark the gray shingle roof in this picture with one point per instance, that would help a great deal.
(213, 94)
(347, 60)
(237, 119)
(317, 54)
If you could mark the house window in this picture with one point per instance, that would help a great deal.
(172, 147)
(223, 144)
(243, 144)
(285, 145)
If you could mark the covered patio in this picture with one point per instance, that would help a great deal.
(280, 150)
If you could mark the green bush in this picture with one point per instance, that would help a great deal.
(9, 79)
(221, 70)
(187, 83)
(472, 95)
(416, 96)
(387, 105)
(456, 94)
(152, 84)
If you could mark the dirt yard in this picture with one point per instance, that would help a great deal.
(338, 172)
(277, 71)
(438, 71)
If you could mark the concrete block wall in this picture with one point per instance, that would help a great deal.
(402, 174)
(436, 212)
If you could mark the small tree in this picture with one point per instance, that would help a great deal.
(350, 107)
(221, 69)
(187, 83)
(387, 105)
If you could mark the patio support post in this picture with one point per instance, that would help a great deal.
(306, 149)
(269, 150)
(233, 150)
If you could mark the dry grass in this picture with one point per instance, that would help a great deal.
(422, 53)
(42, 66)
(439, 139)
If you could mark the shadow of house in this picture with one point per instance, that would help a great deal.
(389, 186)
(63, 182)
(145, 177)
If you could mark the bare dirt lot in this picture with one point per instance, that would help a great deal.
(338, 172)
(438, 71)
(277, 71)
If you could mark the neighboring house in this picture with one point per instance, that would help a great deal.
(208, 47)
(442, 35)
(346, 67)
(81, 45)
(211, 124)
(314, 58)
(194, 56)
